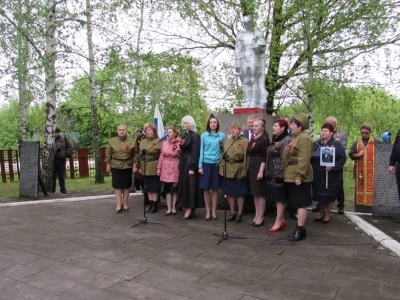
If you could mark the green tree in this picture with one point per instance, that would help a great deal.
(352, 107)
(171, 80)
(336, 32)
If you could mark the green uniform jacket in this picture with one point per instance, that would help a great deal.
(152, 148)
(298, 158)
(119, 153)
(236, 163)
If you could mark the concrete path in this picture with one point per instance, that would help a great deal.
(84, 250)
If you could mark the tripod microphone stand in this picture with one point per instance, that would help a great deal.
(225, 234)
(145, 221)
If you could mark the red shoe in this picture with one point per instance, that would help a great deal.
(281, 227)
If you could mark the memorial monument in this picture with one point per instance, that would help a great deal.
(250, 63)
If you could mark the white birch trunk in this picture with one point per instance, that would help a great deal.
(137, 68)
(99, 177)
(50, 86)
(22, 74)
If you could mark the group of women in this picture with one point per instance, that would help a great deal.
(191, 169)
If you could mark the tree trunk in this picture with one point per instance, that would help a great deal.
(99, 177)
(137, 68)
(310, 70)
(50, 86)
(22, 74)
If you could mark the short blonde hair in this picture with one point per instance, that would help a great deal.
(122, 125)
(192, 124)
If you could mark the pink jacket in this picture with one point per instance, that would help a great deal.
(169, 161)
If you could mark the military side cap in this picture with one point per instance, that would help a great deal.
(236, 124)
(302, 119)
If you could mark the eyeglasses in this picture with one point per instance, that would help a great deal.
(365, 132)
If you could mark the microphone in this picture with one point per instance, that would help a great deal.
(238, 136)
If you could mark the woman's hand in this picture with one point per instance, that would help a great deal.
(134, 169)
(191, 172)
(201, 171)
(328, 169)
(260, 175)
(221, 173)
(108, 168)
(158, 172)
(297, 182)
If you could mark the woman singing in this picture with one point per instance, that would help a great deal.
(119, 161)
(233, 168)
(210, 153)
(275, 166)
(299, 173)
(149, 149)
(257, 152)
(168, 167)
(325, 194)
(188, 186)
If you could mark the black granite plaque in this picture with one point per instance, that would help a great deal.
(386, 197)
(29, 170)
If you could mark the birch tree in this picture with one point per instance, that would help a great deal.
(50, 57)
(99, 177)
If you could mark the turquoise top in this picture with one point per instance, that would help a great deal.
(210, 147)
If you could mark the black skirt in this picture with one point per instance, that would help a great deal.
(121, 178)
(275, 191)
(257, 187)
(299, 196)
(152, 184)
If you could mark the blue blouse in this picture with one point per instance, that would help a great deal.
(210, 147)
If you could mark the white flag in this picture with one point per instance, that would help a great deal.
(158, 121)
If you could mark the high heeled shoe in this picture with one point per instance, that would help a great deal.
(231, 218)
(319, 219)
(168, 214)
(186, 218)
(150, 207)
(281, 227)
(298, 234)
(118, 211)
(125, 209)
(258, 225)
(154, 208)
(251, 223)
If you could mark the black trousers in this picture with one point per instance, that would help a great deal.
(398, 177)
(340, 197)
(58, 171)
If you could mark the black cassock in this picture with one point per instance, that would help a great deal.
(189, 194)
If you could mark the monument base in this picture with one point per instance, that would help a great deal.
(363, 209)
(248, 111)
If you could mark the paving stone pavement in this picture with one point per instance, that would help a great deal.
(84, 250)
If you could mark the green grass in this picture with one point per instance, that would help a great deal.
(10, 191)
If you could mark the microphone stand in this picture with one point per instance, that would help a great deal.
(145, 221)
(225, 234)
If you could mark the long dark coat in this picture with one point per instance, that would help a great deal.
(189, 194)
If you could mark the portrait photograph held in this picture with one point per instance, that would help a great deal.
(327, 157)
